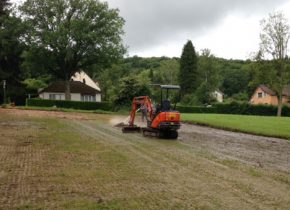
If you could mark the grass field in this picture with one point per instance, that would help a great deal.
(54, 160)
(261, 125)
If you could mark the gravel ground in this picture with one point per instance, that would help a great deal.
(255, 150)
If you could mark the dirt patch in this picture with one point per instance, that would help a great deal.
(52, 114)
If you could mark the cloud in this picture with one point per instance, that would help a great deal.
(154, 23)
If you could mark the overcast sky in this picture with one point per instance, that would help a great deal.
(229, 28)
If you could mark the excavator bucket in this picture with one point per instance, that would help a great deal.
(131, 129)
(120, 125)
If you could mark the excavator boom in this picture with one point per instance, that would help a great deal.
(138, 101)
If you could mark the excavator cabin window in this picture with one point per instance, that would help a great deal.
(165, 105)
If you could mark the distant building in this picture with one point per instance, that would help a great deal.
(264, 95)
(218, 95)
(82, 88)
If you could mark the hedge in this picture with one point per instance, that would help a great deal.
(195, 109)
(236, 108)
(219, 108)
(106, 106)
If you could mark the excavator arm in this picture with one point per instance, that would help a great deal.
(137, 101)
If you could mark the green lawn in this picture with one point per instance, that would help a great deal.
(261, 125)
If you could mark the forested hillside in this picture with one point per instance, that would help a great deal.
(233, 76)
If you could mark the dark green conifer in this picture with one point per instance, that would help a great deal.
(188, 69)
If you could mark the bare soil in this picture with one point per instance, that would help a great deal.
(54, 160)
(251, 149)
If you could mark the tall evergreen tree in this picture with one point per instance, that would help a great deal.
(188, 69)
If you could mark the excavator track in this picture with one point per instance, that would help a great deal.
(162, 134)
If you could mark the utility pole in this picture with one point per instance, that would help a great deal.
(4, 91)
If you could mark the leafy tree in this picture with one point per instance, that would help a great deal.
(4, 7)
(168, 71)
(207, 76)
(129, 88)
(151, 75)
(188, 69)
(242, 97)
(109, 80)
(11, 49)
(73, 35)
(274, 37)
(35, 84)
(235, 81)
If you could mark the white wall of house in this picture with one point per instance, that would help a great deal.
(218, 96)
(75, 96)
(61, 96)
(84, 78)
(46, 95)
(98, 97)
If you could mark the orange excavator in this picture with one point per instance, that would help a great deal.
(163, 121)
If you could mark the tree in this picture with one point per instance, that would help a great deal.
(129, 88)
(11, 49)
(207, 76)
(73, 35)
(109, 80)
(188, 69)
(4, 7)
(168, 71)
(235, 81)
(274, 43)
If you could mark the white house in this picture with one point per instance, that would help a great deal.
(82, 88)
(218, 95)
(84, 78)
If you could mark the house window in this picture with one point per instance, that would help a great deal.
(56, 97)
(260, 95)
(91, 98)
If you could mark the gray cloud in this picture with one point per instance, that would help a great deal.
(151, 23)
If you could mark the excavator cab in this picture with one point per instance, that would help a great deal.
(165, 96)
(163, 121)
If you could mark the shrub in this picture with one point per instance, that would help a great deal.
(190, 99)
(106, 106)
